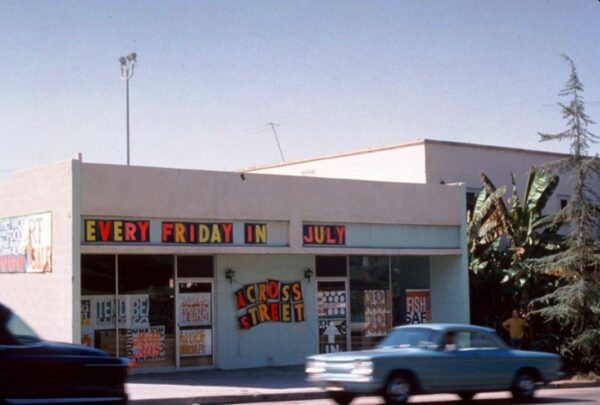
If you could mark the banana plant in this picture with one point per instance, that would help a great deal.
(502, 237)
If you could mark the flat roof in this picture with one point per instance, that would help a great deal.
(404, 145)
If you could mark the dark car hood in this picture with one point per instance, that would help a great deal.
(74, 349)
(61, 349)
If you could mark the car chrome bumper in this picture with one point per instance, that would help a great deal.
(345, 382)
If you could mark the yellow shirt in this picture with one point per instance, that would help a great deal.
(516, 327)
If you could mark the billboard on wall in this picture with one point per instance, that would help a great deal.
(26, 244)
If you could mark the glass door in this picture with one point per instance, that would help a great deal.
(332, 311)
(195, 322)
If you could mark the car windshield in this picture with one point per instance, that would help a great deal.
(20, 331)
(410, 337)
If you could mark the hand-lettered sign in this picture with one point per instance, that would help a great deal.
(116, 231)
(270, 301)
(195, 342)
(328, 235)
(194, 308)
(377, 312)
(146, 344)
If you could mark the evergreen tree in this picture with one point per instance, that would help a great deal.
(575, 305)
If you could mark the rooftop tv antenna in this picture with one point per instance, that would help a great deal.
(273, 125)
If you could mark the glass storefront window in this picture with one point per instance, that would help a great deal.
(195, 266)
(98, 306)
(331, 266)
(410, 288)
(370, 300)
(147, 309)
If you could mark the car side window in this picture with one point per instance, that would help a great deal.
(481, 341)
(18, 331)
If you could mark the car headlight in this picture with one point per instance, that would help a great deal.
(362, 368)
(314, 367)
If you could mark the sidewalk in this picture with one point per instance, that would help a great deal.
(213, 387)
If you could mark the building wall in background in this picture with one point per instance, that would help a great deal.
(44, 300)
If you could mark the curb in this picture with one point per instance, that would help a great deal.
(235, 399)
(298, 396)
(574, 384)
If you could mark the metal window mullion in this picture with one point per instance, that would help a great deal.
(117, 304)
(176, 287)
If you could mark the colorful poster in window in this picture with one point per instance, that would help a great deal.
(146, 344)
(26, 244)
(378, 320)
(195, 342)
(418, 306)
(194, 308)
(331, 304)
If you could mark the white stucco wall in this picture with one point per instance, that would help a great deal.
(186, 194)
(454, 162)
(266, 344)
(431, 161)
(397, 164)
(44, 300)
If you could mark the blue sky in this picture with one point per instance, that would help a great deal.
(337, 75)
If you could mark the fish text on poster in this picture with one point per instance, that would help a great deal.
(418, 306)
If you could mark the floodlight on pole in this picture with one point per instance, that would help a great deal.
(127, 66)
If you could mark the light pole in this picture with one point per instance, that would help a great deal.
(127, 65)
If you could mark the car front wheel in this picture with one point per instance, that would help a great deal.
(523, 387)
(341, 398)
(397, 390)
(466, 395)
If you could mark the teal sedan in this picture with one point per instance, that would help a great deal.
(433, 358)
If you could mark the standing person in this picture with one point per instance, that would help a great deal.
(516, 327)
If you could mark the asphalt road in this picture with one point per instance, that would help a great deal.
(579, 396)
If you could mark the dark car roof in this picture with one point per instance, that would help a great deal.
(449, 326)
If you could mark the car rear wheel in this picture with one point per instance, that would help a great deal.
(466, 395)
(523, 387)
(341, 398)
(397, 390)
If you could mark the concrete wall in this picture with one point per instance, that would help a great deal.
(449, 289)
(44, 300)
(454, 162)
(169, 193)
(267, 344)
(397, 164)
(430, 161)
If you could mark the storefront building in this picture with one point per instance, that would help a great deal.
(182, 268)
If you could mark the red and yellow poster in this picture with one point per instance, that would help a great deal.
(378, 316)
(418, 306)
(195, 342)
(194, 308)
(146, 344)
